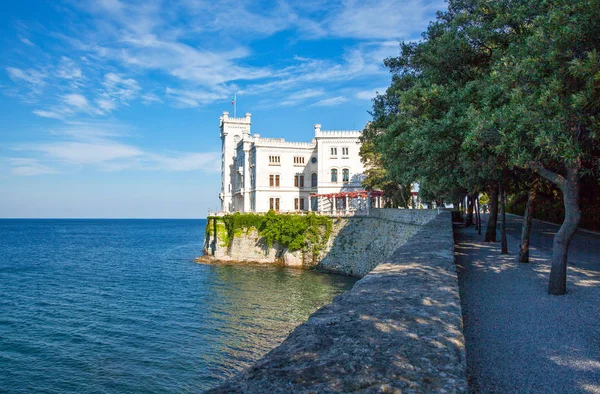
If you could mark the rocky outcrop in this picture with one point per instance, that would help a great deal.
(248, 246)
(398, 330)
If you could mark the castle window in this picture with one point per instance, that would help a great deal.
(334, 152)
(274, 160)
(273, 180)
(345, 152)
(334, 175)
(313, 160)
(274, 204)
(345, 175)
(313, 180)
(298, 160)
(299, 181)
(299, 204)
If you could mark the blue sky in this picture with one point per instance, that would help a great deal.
(111, 108)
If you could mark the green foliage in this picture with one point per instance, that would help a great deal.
(484, 199)
(492, 87)
(234, 223)
(378, 178)
(293, 232)
(221, 233)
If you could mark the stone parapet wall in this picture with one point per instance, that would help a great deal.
(355, 247)
(399, 329)
(358, 244)
(410, 216)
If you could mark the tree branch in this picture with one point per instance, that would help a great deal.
(553, 177)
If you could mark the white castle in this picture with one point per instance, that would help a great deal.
(262, 174)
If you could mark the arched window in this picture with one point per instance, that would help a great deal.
(345, 175)
(333, 175)
(313, 179)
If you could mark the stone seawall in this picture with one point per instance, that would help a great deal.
(355, 246)
(399, 329)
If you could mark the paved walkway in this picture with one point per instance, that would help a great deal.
(519, 339)
(584, 250)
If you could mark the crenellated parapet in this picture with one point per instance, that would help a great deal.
(280, 142)
(225, 118)
(336, 133)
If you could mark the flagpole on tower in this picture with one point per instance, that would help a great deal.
(234, 102)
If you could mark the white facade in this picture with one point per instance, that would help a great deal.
(259, 174)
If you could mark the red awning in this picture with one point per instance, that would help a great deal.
(353, 194)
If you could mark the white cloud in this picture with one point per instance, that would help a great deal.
(150, 98)
(96, 152)
(382, 19)
(194, 98)
(33, 77)
(29, 167)
(48, 114)
(112, 6)
(99, 145)
(119, 88)
(106, 105)
(207, 162)
(27, 42)
(369, 94)
(206, 51)
(76, 100)
(299, 97)
(69, 70)
(330, 102)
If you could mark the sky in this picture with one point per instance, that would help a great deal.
(110, 108)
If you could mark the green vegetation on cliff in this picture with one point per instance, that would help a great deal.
(293, 232)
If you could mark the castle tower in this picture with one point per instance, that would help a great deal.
(233, 130)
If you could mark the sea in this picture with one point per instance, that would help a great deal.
(120, 306)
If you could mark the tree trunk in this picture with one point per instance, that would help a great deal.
(469, 211)
(560, 247)
(404, 201)
(527, 222)
(490, 233)
(503, 210)
(478, 213)
(474, 202)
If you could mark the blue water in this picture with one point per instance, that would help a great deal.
(104, 306)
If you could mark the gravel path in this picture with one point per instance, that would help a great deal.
(519, 339)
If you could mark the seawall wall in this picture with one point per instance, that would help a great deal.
(355, 246)
(399, 329)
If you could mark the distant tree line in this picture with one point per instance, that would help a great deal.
(498, 97)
